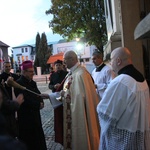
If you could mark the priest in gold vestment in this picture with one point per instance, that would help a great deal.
(79, 98)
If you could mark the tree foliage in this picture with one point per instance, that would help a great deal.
(49, 52)
(42, 52)
(37, 43)
(79, 18)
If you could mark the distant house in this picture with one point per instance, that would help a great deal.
(3, 53)
(24, 52)
(27, 52)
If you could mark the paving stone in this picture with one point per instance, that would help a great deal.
(47, 116)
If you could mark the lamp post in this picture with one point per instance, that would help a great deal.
(79, 50)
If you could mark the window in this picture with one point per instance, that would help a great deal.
(18, 59)
(87, 60)
(26, 49)
(22, 50)
(32, 57)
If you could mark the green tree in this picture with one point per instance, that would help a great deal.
(84, 19)
(37, 43)
(49, 53)
(42, 52)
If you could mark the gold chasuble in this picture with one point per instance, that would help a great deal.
(81, 126)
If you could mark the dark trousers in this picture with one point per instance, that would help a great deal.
(58, 124)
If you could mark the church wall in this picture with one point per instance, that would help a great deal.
(125, 16)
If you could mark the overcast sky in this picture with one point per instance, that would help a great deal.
(22, 19)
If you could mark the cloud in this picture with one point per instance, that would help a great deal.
(22, 19)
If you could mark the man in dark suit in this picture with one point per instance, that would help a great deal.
(55, 85)
(4, 76)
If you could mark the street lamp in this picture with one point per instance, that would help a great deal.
(79, 48)
(77, 39)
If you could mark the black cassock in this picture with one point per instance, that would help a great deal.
(29, 119)
(58, 77)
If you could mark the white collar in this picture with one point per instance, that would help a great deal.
(74, 67)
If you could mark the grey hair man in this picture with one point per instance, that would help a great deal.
(81, 128)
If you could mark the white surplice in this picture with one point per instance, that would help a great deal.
(124, 115)
(102, 79)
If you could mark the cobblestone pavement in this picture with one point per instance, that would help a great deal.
(47, 116)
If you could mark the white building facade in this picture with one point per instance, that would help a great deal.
(22, 53)
(121, 19)
(83, 50)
